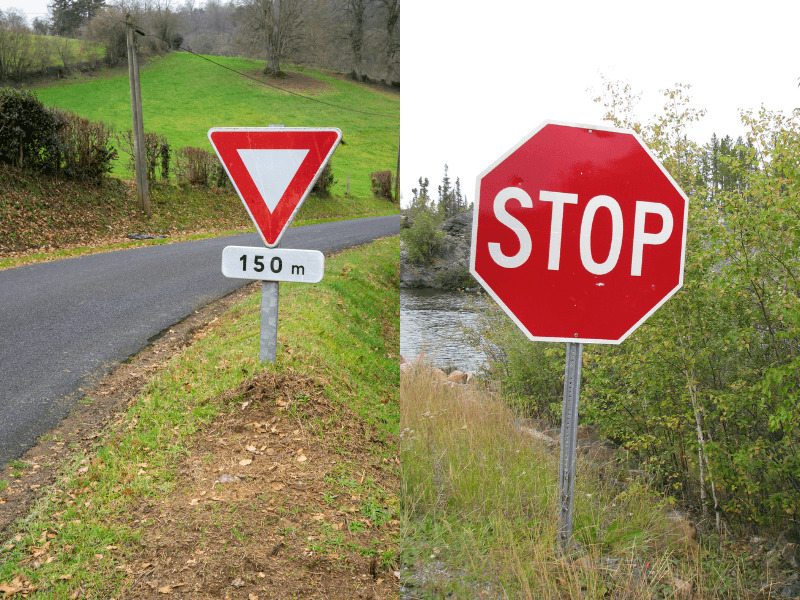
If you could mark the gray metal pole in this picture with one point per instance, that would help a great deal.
(268, 346)
(569, 437)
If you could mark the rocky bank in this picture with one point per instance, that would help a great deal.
(450, 267)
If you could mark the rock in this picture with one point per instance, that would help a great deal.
(683, 589)
(791, 591)
(439, 374)
(683, 530)
(457, 377)
(528, 427)
(788, 550)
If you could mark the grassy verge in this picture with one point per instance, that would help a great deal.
(479, 501)
(321, 490)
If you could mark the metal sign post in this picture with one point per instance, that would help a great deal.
(272, 265)
(569, 438)
(268, 346)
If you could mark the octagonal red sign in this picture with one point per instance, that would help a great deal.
(579, 233)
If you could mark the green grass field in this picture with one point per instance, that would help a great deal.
(183, 96)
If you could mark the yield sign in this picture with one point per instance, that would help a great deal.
(273, 169)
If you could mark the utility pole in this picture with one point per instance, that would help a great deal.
(140, 161)
(397, 176)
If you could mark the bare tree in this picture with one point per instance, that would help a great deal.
(392, 55)
(356, 11)
(108, 28)
(275, 26)
(15, 44)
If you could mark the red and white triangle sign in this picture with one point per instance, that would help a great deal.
(273, 169)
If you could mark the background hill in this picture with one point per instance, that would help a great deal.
(184, 95)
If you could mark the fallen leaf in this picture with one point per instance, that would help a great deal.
(167, 589)
(245, 461)
(302, 458)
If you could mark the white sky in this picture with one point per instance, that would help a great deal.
(477, 77)
(32, 8)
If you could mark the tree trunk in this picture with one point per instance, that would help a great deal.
(273, 63)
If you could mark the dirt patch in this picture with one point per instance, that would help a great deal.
(292, 82)
(112, 395)
(280, 498)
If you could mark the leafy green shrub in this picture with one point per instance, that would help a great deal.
(165, 151)
(322, 187)
(28, 132)
(423, 238)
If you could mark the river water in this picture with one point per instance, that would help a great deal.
(431, 322)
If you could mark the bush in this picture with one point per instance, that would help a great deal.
(28, 132)
(86, 151)
(197, 166)
(423, 239)
(322, 187)
(382, 184)
(156, 151)
(154, 154)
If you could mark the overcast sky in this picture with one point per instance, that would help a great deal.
(477, 77)
(32, 8)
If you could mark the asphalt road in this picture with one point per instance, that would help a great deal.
(66, 323)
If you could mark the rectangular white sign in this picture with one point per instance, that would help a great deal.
(273, 264)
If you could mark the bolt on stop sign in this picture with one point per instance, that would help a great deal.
(579, 233)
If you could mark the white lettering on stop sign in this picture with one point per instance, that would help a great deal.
(559, 199)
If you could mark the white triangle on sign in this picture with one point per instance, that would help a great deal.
(272, 171)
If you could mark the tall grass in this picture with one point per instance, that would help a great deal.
(479, 501)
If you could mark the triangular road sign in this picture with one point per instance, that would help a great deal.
(273, 169)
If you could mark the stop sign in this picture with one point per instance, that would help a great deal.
(578, 233)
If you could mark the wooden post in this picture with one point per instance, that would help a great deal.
(140, 161)
(397, 176)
